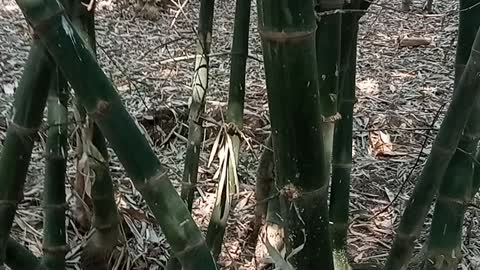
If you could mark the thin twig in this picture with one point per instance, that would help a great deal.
(424, 144)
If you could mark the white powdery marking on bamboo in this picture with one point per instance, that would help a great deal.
(183, 223)
(13, 114)
(70, 33)
(68, 29)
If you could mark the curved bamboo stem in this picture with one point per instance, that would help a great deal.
(464, 98)
(103, 104)
(444, 245)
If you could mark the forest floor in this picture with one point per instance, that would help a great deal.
(150, 59)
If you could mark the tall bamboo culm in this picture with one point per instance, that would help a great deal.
(93, 150)
(464, 98)
(102, 102)
(287, 30)
(56, 153)
(232, 138)
(444, 250)
(20, 258)
(342, 143)
(197, 107)
(27, 114)
(327, 40)
(197, 102)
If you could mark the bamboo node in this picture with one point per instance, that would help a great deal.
(157, 178)
(290, 192)
(332, 118)
(282, 36)
(60, 206)
(22, 131)
(190, 249)
(101, 108)
(342, 165)
(453, 200)
(105, 227)
(8, 202)
(61, 249)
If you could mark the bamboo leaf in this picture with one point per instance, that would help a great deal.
(233, 163)
(214, 147)
(279, 261)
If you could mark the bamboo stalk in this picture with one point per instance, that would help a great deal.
(327, 40)
(476, 176)
(468, 21)
(20, 258)
(54, 205)
(444, 250)
(287, 31)
(28, 107)
(236, 98)
(468, 24)
(197, 105)
(464, 98)
(83, 21)
(106, 219)
(103, 104)
(342, 144)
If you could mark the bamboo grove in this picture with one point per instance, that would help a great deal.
(309, 54)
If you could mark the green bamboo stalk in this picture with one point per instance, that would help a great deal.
(54, 205)
(103, 104)
(20, 258)
(476, 176)
(287, 31)
(444, 245)
(327, 39)
(106, 219)
(464, 98)
(197, 105)
(28, 107)
(468, 22)
(83, 21)
(239, 54)
(106, 235)
(342, 144)
(236, 98)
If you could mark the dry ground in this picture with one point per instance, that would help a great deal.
(400, 90)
